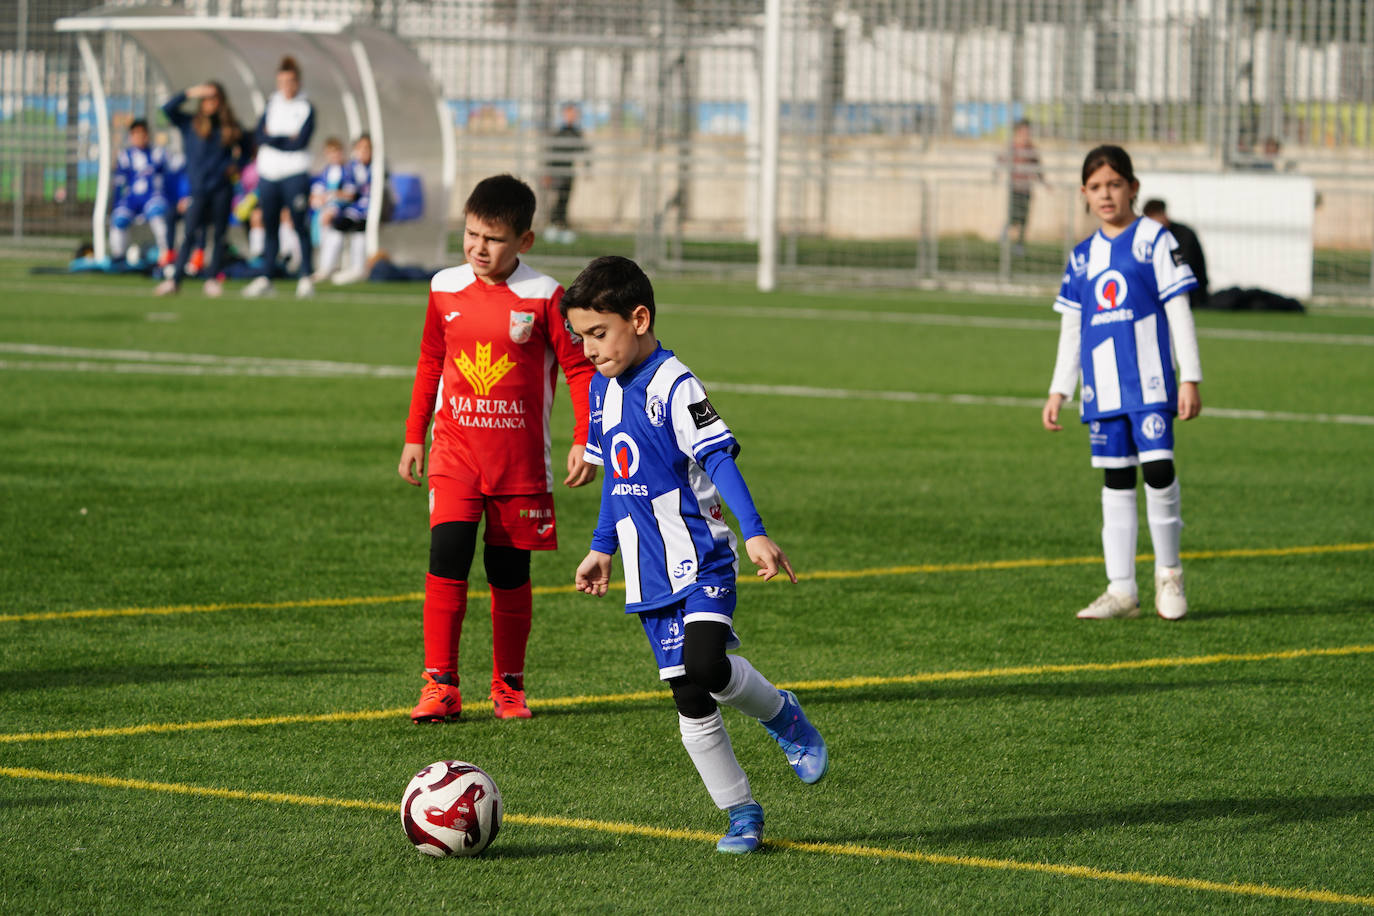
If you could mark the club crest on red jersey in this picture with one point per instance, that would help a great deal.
(521, 326)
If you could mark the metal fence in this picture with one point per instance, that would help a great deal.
(895, 119)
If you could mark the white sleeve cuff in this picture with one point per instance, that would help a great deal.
(1066, 362)
(1184, 335)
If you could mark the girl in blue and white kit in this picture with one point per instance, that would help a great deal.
(1126, 322)
(283, 161)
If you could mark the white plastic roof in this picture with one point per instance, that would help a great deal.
(359, 79)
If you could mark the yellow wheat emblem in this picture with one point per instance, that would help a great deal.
(482, 374)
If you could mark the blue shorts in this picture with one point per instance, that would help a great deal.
(666, 627)
(1130, 439)
(133, 207)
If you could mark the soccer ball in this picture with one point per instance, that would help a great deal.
(451, 808)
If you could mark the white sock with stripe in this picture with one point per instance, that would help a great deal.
(1119, 525)
(708, 745)
(750, 692)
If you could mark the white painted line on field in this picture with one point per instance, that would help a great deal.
(782, 313)
(149, 362)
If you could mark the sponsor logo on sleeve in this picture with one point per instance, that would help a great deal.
(1179, 259)
(703, 414)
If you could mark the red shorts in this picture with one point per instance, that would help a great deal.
(524, 521)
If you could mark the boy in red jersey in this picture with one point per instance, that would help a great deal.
(489, 358)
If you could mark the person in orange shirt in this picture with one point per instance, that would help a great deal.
(490, 353)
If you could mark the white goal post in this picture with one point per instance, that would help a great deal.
(359, 78)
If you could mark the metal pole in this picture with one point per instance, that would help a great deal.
(102, 126)
(373, 229)
(22, 43)
(768, 146)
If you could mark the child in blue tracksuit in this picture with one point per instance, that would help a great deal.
(140, 179)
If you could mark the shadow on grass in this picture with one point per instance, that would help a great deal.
(1271, 810)
(127, 675)
(1010, 689)
(1330, 608)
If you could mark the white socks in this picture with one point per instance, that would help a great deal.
(159, 226)
(709, 747)
(1162, 510)
(119, 242)
(331, 250)
(257, 241)
(1119, 524)
(357, 253)
(750, 692)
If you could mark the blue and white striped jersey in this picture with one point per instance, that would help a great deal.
(653, 428)
(1119, 287)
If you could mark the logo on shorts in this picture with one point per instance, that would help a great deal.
(521, 326)
(655, 410)
(673, 628)
(625, 456)
(1110, 290)
(684, 569)
(1153, 426)
(715, 591)
(482, 374)
(1095, 427)
(544, 529)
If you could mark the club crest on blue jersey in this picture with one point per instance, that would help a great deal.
(1110, 290)
(655, 410)
(1144, 250)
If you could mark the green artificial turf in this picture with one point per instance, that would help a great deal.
(226, 540)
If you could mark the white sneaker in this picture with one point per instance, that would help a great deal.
(214, 289)
(305, 288)
(167, 287)
(1109, 605)
(261, 286)
(345, 277)
(1170, 602)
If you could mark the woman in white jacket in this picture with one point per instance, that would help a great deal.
(283, 160)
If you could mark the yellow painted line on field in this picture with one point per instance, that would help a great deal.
(820, 575)
(849, 683)
(854, 850)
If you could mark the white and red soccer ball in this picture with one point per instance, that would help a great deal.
(451, 808)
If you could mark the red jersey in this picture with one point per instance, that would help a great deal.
(488, 364)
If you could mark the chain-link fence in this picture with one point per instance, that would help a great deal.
(898, 159)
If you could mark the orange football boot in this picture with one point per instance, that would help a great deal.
(509, 702)
(439, 701)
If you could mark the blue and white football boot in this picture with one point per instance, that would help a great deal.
(746, 830)
(799, 740)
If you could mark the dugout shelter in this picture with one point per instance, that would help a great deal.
(359, 78)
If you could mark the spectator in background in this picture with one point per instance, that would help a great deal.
(565, 148)
(1024, 163)
(283, 136)
(216, 148)
(1189, 248)
(140, 196)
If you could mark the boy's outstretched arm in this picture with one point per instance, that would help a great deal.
(594, 573)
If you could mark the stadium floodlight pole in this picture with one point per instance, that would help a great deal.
(768, 145)
(101, 111)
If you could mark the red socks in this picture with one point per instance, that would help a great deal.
(510, 631)
(446, 601)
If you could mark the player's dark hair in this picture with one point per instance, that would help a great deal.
(138, 122)
(288, 65)
(333, 143)
(1152, 206)
(610, 284)
(502, 199)
(1114, 156)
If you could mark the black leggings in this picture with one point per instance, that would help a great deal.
(1157, 474)
(451, 548)
(292, 192)
(207, 209)
(708, 669)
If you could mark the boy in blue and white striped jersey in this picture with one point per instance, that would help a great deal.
(671, 458)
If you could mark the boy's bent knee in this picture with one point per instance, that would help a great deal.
(1119, 478)
(451, 545)
(1158, 474)
(692, 702)
(507, 567)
